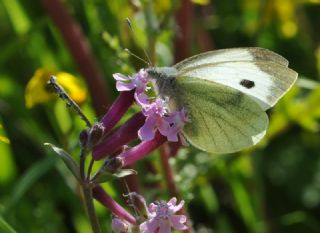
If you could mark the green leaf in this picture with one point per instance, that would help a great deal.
(5, 227)
(107, 176)
(27, 180)
(124, 172)
(67, 159)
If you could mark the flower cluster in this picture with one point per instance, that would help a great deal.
(162, 217)
(169, 124)
(154, 125)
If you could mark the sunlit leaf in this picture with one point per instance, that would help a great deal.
(8, 168)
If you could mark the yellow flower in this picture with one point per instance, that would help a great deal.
(286, 10)
(37, 92)
(201, 2)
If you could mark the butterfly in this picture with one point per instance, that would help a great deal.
(226, 94)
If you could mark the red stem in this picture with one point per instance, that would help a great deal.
(168, 175)
(184, 19)
(81, 53)
(165, 154)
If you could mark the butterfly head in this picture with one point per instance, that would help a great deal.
(163, 79)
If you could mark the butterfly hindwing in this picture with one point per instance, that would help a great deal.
(223, 120)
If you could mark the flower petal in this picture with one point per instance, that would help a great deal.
(177, 207)
(177, 222)
(121, 86)
(172, 201)
(149, 226)
(120, 77)
(147, 131)
(142, 99)
(165, 227)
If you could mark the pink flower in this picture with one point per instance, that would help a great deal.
(138, 82)
(162, 218)
(176, 120)
(155, 113)
(119, 226)
(157, 118)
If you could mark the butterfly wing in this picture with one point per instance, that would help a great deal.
(229, 55)
(264, 81)
(223, 119)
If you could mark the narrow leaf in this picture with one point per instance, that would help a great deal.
(107, 176)
(67, 159)
(5, 227)
(124, 172)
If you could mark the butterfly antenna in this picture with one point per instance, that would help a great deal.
(144, 51)
(136, 56)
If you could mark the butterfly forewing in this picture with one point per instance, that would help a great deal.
(264, 81)
(229, 55)
(223, 120)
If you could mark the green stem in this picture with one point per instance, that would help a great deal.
(87, 193)
(90, 169)
(82, 165)
(88, 198)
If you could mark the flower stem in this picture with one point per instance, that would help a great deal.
(88, 198)
(90, 168)
(87, 193)
(169, 177)
(168, 174)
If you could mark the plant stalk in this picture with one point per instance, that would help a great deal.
(88, 198)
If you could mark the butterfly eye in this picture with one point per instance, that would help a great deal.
(247, 83)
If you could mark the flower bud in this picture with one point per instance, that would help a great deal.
(139, 204)
(83, 138)
(111, 165)
(96, 134)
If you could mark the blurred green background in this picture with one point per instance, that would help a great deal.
(273, 187)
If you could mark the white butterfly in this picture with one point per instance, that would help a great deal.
(226, 93)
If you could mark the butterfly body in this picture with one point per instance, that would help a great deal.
(226, 93)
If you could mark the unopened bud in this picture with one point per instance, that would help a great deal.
(112, 165)
(139, 204)
(96, 134)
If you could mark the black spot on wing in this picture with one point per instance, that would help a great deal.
(247, 83)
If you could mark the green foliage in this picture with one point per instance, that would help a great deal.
(273, 187)
(5, 227)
